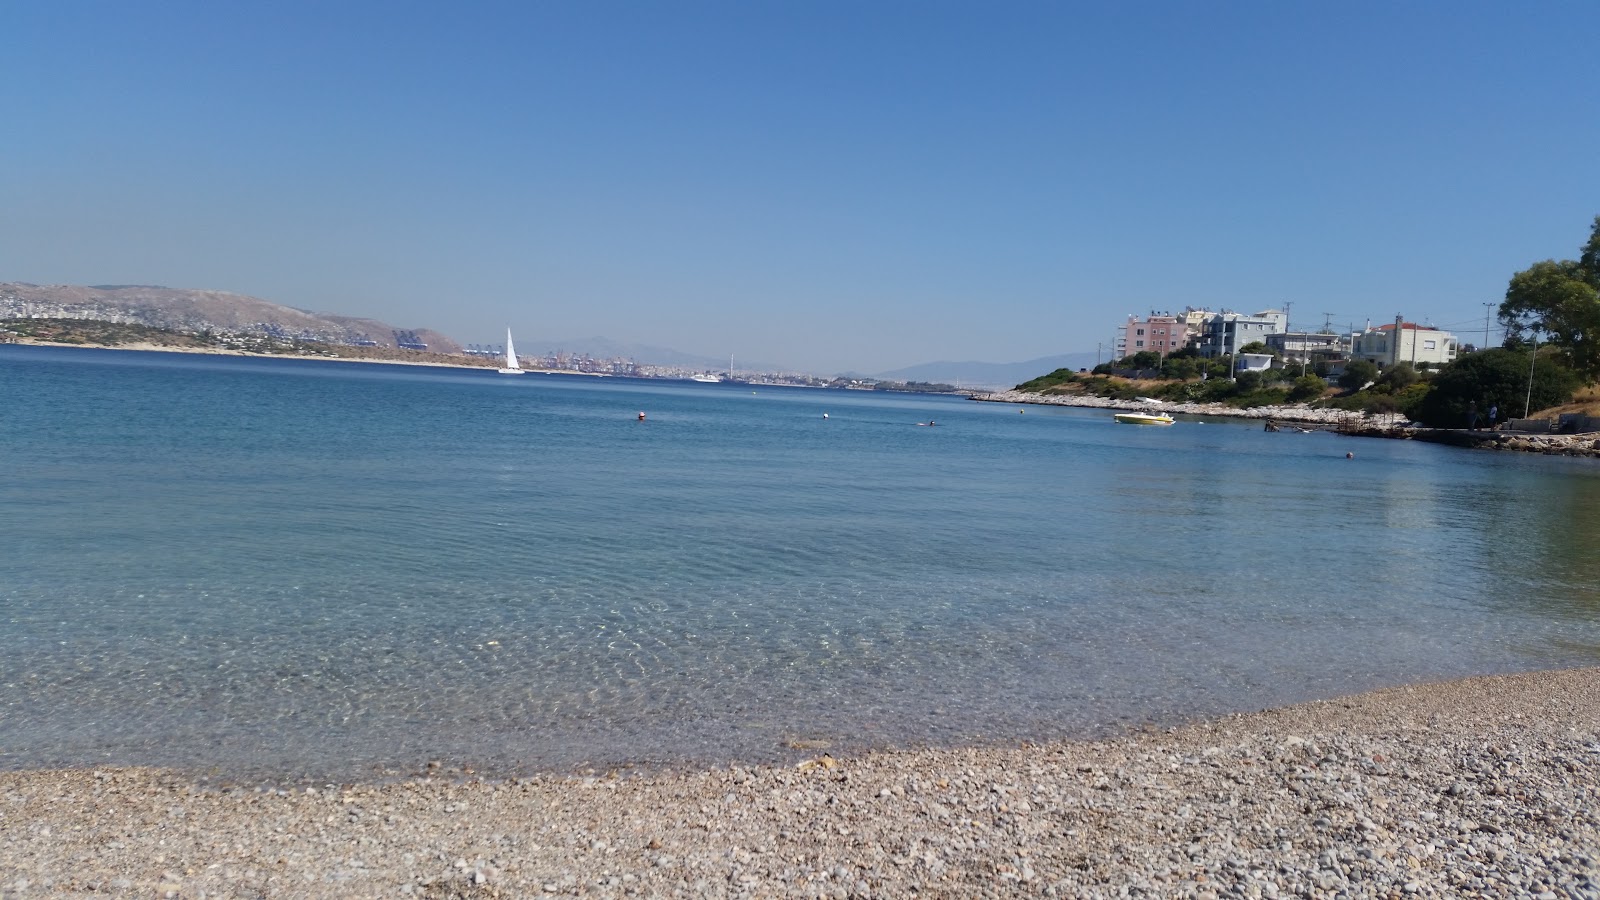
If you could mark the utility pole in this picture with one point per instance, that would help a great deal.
(1097, 346)
(1327, 323)
(1532, 358)
(1287, 329)
(1488, 304)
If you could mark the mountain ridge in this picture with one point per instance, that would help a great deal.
(194, 310)
(182, 309)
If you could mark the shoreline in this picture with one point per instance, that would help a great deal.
(1394, 426)
(1286, 413)
(1487, 785)
(224, 351)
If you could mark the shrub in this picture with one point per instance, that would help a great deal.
(1259, 397)
(1059, 376)
(1305, 388)
(1357, 373)
(1398, 377)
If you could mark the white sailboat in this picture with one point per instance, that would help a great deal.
(511, 367)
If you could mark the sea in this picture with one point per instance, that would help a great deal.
(260, 568)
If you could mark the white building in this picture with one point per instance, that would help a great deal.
(1225, 332)
(1253, 362)
(1404, 342)
(1309, 346)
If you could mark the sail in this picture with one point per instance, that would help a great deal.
(511, 367)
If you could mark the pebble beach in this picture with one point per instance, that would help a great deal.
(1483, 787)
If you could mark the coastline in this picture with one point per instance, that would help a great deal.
(1287, 412)
(223, 351)
(1385, 425)
(1487, 785)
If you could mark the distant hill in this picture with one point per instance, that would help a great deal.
(199, 311)
(989, 375)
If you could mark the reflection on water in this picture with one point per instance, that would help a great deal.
(276, 566)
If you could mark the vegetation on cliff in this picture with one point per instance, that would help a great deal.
(1271, 388)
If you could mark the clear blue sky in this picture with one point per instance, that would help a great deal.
(823, 185)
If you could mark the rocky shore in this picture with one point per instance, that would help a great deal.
(1387, 425)
(1287, 412)
(1484, 787)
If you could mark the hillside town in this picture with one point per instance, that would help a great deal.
(1228, 334)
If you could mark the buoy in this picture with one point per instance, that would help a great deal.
(1349, 456)
(824, 415)
(641, 415)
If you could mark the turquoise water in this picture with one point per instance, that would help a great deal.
(293, 568)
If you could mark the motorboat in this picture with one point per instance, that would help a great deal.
(1139, 418)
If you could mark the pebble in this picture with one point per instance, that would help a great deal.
(1474, 798)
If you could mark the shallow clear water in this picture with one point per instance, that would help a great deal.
(338, 570)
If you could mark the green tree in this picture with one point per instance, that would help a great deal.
(1398, 377)
(1357, 372)
(1255, 347)
(1493, 378)
(1184, 367)
(1561, 300)
(1306, 387)
(1144, 359)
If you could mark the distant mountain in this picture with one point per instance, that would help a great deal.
(198, 311)
(989, 375)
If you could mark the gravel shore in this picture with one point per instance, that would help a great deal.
(1389, 425)
(1293, 412)
(1483, 787)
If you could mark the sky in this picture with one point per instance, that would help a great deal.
(821, 186)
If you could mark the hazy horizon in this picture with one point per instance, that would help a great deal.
(822, 186)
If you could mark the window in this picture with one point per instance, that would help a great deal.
(1429, 345)
(1140, 331)
(1138, 343)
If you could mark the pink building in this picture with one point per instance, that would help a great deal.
(1161, 333)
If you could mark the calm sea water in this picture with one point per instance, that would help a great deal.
(328, 570)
